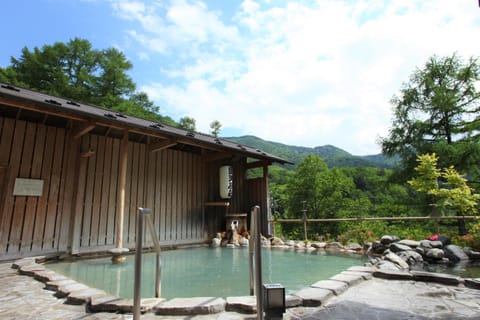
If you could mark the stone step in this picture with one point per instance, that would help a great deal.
(337, 287)
(313, 297)
(191, 306)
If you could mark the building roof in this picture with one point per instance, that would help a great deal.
(39, 107)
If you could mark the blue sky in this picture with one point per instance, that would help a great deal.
(306, 73)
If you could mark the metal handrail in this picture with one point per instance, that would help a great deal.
(255, 250)
(145, 212)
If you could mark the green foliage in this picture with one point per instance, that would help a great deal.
(76, 71)
(454, 194)
(188, 123)
(215, 127)
(437, 112)
(471, 240)
(340, 193)
(368, 231)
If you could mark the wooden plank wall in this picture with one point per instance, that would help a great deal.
(33, 224)
(84, 191)
(255, 191)
(170, 182)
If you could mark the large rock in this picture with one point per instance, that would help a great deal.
(436, 244)
(474, 255)
(454, 253)
(397, 247)
(377, 247)
(387, 265)
(277, 242)
(216, 242)
(392, 257)
(425, 244)
(411, 243)
(411, 257)
(290, 243)
(334, 246)
(387, 239)
(319, 245)
(435, 254)
(353, 246)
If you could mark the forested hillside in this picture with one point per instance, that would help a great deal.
(333, 156)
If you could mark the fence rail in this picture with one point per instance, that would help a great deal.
(377, 219)
(305, 220)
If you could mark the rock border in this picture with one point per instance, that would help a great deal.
(316, 295)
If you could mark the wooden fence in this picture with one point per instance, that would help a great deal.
(305, 220)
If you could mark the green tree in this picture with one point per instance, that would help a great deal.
(188, 123)
(438, 111)
(215, 127)
(326, 193)
(74, 70)
(447, 187)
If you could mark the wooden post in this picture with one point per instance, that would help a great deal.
(117, 252)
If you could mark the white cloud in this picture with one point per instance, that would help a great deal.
(298, 73)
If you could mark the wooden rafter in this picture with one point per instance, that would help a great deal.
(82, 129)
(257, 164)
(165, 144)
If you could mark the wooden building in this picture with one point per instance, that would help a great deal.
(72, 177)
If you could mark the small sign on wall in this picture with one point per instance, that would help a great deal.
(28, 187)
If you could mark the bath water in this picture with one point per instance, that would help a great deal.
(207, 272)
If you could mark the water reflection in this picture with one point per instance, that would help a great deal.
(217, 272)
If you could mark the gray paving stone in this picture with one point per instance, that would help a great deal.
(350, 279)
(364, 275)
(472, 283)
(292, 301)
(246, 304)
(53, 285)
(337, 287)
(188, 306)
(63, 291)
(362, 269)
(48, 275)
(30, 269)
(436, 277)
(313, 297)
(393, 274)
(83, 296)
(23, 297)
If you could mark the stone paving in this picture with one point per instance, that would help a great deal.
(355, 296)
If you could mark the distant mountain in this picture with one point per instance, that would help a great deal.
(333, 156)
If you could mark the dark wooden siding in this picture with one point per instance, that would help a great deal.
(34, 224)
(170, 182)
(78, 206)
(78, 209)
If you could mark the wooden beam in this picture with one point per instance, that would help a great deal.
(154, 147)
(257, 164)
(82, 129)
(33, 105)
(121, 189)
(216, 156)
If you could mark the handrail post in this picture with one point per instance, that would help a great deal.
(251, 251)
(138, 264)
(258, 262)
(144, 213)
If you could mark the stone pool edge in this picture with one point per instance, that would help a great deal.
(316, 295)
